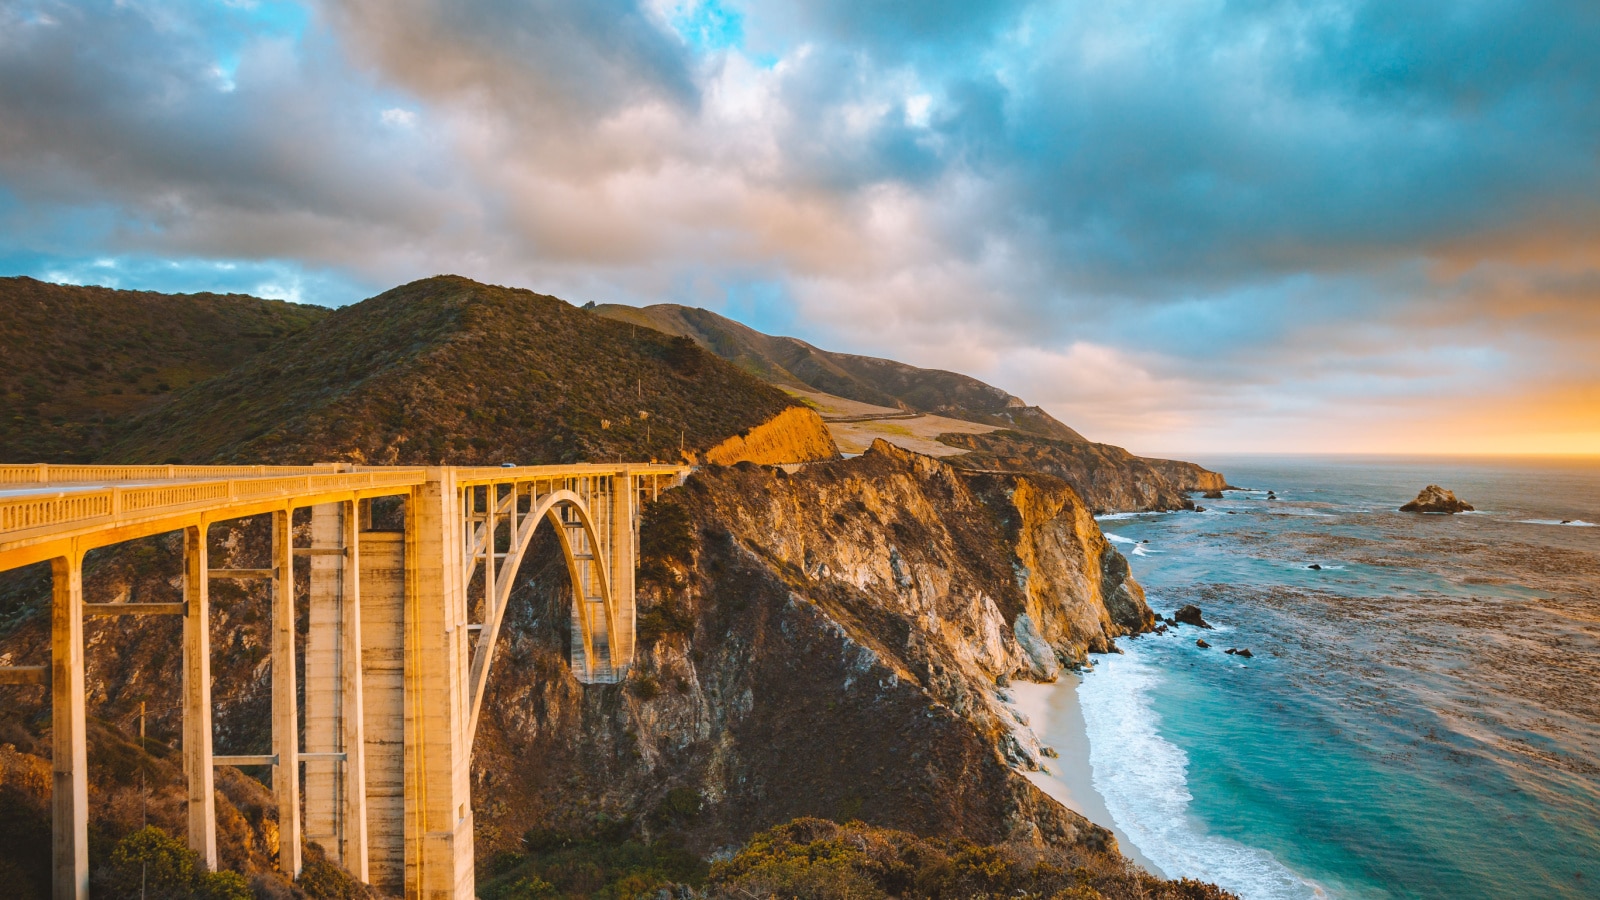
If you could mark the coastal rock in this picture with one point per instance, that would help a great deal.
(1212, 495)
(1317, 566)
(1435, 499)
(1244, 652)
(1201, 643)
(1271, 495)
(1199, 509)
(1190, 615)
(1109, 479)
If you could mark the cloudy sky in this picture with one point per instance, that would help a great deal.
(1181, 226)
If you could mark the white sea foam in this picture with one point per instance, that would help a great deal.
(1142, 778)
(1111, 517)
(1574, 523)
(1119, 539)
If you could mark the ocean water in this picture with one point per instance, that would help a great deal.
(1421, 717)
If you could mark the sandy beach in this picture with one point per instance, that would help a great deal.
(1054, 715)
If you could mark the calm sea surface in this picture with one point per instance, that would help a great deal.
(1421, 717)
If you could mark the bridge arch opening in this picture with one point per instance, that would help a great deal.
(504, 540)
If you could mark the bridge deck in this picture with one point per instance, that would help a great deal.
(43, 507)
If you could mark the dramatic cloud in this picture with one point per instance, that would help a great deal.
(1316, 225)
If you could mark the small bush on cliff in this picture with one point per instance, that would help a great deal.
(150, 863)
(323, 880)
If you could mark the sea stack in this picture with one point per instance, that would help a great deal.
(1435, 499)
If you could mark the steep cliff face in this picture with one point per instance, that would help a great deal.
(1110, 478)
(1187, 476)
(822, 644)
(795, 435)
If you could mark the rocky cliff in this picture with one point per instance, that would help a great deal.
(797, 434)
(822, 644)
(1109, 478)
(1187, 476)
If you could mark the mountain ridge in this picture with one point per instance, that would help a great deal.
(78, 364)
(866, 379)
(445, 370)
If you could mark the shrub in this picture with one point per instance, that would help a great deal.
(152, 864)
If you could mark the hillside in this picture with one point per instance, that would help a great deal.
(883, 382)
(78, 363)
(970, 424)
(446, 370)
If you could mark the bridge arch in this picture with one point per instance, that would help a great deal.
(587, 571)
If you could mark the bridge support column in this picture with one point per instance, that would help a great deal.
(285, 711)
(335, 798)
(69, 750)
(353, 732)
(383, 598)
(197, 733)
(439, 864)
(620, 567)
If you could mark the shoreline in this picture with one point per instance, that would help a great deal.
(1057, 719)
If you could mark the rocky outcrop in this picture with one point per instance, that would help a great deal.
(795, 435)
(1109, 478)
(1187, 476)
(820, 644)
(1190, 615)
(1435, 499)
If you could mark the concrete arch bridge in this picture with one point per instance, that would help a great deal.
(402, 631)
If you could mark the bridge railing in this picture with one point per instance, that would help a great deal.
(49, 473)
(35, 513)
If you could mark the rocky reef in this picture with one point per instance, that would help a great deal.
(1435, 499)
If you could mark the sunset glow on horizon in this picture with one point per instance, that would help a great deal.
(1317, 227)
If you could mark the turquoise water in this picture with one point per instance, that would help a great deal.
(1421, 717)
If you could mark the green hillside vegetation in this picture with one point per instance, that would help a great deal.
(78, 363)
(817, 859)
(882, 382)
(449, 371)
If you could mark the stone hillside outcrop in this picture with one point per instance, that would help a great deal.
(1187, 476)
(821, 644)
(795, 435)
(1109, 478)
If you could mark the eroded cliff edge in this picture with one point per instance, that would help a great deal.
(1110, 478)
(820, 644)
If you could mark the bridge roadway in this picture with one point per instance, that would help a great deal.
(402, 631)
